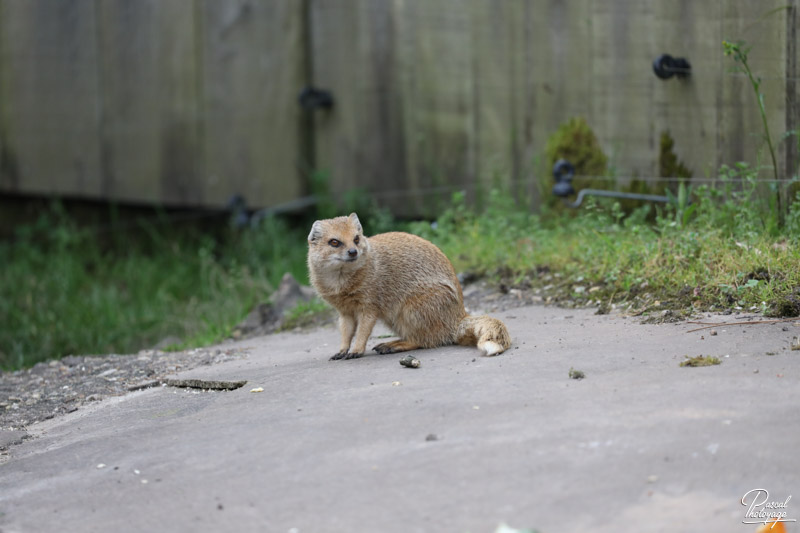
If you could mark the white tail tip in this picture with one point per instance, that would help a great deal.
(491, 348)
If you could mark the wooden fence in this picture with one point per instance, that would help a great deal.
(186, 102)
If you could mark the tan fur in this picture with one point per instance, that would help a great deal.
(398, 278)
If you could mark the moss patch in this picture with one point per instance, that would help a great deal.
(669, 166)
(701, 360)
(576, 142)
(576, 374)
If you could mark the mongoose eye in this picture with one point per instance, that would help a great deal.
(334, 243)
(355, 240)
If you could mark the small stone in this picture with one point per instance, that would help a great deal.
(431, 437)
(410, 361)
(396, 383)
(101, 465)
(257, 389)
(713, 333)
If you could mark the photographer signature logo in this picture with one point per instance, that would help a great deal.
(760, 510)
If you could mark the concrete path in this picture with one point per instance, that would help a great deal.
(461, 444)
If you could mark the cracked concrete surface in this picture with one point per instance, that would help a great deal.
(462, 443)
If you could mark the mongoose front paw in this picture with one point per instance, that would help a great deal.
(383, 348)
(340, 355)
(353, 355)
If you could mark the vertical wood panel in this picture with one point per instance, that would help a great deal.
(792, 158)
(494, 82)
(687, 108)
(441, 121)
(361, 142)
(623, 84)
(9, 174)
(741, 135)
(48, 68)
(336, 67)
(558, 81)
(150, 123)
(252, 74)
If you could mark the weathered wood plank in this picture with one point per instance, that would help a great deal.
(559, 85)
(792, 88)
(687, 108)
(623, 84)
(360, 143)
(741, 130)
(395, 126)
(252, 72)
(150, 121)
(494, 83)
(439, 95)
(48, 72)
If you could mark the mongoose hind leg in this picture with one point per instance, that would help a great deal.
(395, 346)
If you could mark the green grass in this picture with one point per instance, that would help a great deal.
(64, 290)
(305, 314)
(727, 253)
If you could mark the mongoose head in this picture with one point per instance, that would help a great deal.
(337, 243)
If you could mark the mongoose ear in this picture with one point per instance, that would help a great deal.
(316, 231)
(356, 223)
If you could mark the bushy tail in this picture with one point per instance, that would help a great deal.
(485, 332)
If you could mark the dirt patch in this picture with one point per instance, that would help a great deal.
(668, 316)
(59, 387)
(485, 297)
(789, 306)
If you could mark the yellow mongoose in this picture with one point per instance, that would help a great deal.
(399, 278)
